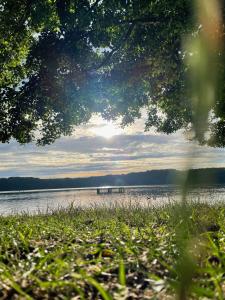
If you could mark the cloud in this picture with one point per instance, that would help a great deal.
(87, 154)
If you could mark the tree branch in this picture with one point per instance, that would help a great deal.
(23, 17)
(62, 10)
(146, 19)
(116, 48)
(94, 5)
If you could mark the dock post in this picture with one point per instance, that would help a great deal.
(98, 191)
(121, 190)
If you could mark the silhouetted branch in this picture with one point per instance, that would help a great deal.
(116, 48)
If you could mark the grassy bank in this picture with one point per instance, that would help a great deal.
(115, 253)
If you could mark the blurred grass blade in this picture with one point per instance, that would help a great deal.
(105, 295)
(201, 56)
(202, 62)
(122, 273)
(60, 283)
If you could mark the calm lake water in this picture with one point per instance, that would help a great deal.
(49, 200)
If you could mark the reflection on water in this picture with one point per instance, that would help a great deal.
(34, 202)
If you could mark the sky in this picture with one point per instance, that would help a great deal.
(101, 148)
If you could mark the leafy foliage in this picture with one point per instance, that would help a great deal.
(62, 60)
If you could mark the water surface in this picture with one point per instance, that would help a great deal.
(49, 200)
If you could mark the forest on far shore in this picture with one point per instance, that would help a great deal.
(203, 177)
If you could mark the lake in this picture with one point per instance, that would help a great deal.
(49, 200)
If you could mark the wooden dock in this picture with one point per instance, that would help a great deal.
(110, 190)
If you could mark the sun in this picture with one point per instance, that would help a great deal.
(107, 130)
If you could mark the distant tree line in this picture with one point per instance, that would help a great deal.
(154, 177)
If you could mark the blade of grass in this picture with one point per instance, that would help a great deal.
(122, 273)
(105, 295)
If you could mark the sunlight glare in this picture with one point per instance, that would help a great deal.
(107, 130)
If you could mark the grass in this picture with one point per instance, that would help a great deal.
(114, 253)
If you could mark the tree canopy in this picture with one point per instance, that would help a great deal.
(62, 60)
